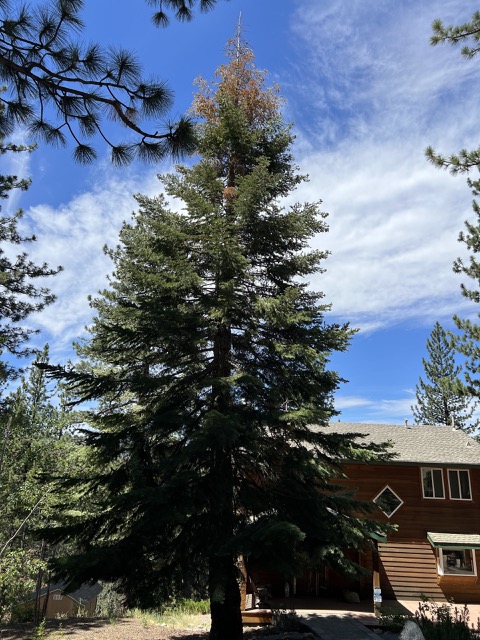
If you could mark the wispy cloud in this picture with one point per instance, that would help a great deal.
(16, 164)
(368, 94)
(378, 95)
(363, 409)
(349, 402)
(73, 236)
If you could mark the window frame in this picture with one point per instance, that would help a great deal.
(395, 494)
(467, 471)
(440, 563)
(434, 497)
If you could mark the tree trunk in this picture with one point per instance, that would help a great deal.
(38, 587)
(223, 586)
(224, 600)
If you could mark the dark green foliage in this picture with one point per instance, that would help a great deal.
(110, 603)
(60, 88)
(284, 620)
(208, 360)
(443, 399)
(26, 415)
(183, 9)
(34, 448)
(467, 34)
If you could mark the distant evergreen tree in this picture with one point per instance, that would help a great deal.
(19, 294)
(443, 399)
(468, 341)
(208, 358)
(34, 448)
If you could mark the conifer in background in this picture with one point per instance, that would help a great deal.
(443, 399)
(208, 358)
(35, 446)
(21, 280)
(468, 340)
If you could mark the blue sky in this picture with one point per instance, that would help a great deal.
(367, 94)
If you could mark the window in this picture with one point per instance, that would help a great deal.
(57, 596)
(388, 501)
(456, 562)
(432, 483)
(459, 483)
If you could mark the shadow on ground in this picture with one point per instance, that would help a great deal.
(65, 625)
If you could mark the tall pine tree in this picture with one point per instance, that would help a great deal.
(468, 340)
(208, 358)
(443, 399)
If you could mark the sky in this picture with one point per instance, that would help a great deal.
(367, 94)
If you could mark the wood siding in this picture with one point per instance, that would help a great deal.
(417, 515)
(66, 607)
(408, 563)
(409, 571)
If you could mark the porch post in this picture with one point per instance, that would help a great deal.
(376, 579)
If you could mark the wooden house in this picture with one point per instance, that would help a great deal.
(431, 492)
(62, 604)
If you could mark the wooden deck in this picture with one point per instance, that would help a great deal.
(257, 616)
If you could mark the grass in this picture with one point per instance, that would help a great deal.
(185, 614)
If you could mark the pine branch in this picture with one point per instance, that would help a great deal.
(43, 66)
(25, 520)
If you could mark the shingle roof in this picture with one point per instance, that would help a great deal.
(84, 594)
(417, 444)
(464, 540)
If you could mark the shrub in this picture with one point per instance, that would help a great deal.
(23, 613)
(187, 605)
(110, 602)
(394, 620)
(445, 622)
(286, 620)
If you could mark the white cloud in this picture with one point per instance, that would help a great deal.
(17, 164)
(368, 94)
(73, 236)
(379, 95)
(363, 409)
(349, 402)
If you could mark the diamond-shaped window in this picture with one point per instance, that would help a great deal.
(388, 501)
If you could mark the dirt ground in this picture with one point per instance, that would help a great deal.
(121, 629)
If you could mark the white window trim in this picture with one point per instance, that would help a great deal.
(57, 596)
(395, 494)
(441, 571)
(469, 485)
(422, 469)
